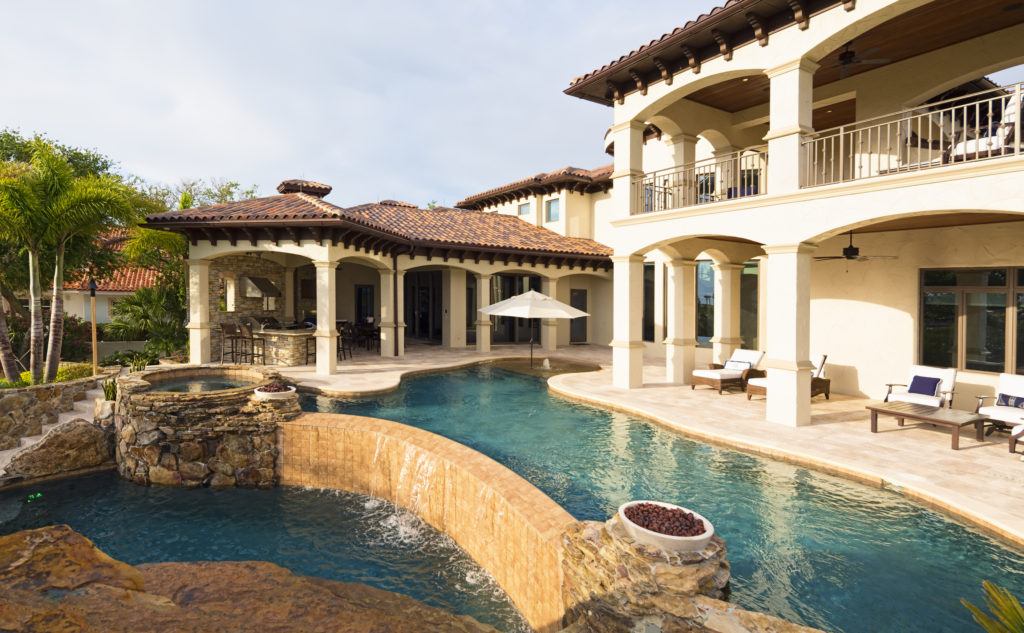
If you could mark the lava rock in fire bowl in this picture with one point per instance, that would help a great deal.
(666, 526)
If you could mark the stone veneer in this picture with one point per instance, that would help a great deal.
(25, 410)
(239, 266)
(216, 438)
(556, 570)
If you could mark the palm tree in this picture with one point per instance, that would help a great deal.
(150, 313)
(44, 205)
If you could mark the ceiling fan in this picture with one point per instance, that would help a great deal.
(852, 254)
(848, 58)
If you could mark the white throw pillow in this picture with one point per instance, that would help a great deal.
(737, 365)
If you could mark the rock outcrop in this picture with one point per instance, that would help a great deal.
(68, 447)
(54, 580)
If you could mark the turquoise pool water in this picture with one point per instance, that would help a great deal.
(341, 536)
(805, 546)
(198, 385)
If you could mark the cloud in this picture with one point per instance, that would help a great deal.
(410, 100)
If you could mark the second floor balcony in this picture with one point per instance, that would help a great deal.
(968, 128)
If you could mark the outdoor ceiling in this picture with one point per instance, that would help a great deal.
(936, 25)
(939, 221)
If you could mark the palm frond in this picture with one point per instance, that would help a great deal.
(1007, 614)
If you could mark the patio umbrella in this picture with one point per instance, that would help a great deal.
(533, 305)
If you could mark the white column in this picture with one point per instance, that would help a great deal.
(627, 344)
(198, 311)
(629, 146)
(789, 121)
(400, 312)
(681, 335)
(483, 322)
(727, 311)
(762, 302)
(684, 149)
(387, 313)
(453, 300)
(289, 294)
(789, 320)
(326, 316)
(549, 327)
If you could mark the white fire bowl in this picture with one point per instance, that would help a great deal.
(664, 541)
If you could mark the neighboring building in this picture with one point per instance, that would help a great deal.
(747, 145)
(122, 282)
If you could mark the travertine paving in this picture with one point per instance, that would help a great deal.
(981, 482)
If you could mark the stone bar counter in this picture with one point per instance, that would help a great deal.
(286, 347)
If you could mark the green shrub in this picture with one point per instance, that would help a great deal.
(5, 384)
(130, 358)
(65, 373)
(110, 389)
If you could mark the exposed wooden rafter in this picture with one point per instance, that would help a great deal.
(616, 93)
(724, 44)
(760, 32)
(641, 83)
(663, 68)
(692, 59)
(800, 14)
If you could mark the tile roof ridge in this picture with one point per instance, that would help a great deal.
(319, 203)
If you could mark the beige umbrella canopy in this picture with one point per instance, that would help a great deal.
(533, 305)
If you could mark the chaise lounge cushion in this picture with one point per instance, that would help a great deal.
(947, 381)
(720, 374)
(1006, 407)
(1011, 415)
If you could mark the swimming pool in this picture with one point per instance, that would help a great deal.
(805, 546)
(341, 536)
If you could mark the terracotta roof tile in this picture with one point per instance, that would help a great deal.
(124, 279)
(289, 206)
(589, 179)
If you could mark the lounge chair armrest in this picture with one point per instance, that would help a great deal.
(715, 366)
(981, 402)
(890, 385)
(948, 397)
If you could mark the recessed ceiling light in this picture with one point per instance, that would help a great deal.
(828, 111)
(746, 79)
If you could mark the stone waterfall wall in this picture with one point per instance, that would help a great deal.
(217, 438)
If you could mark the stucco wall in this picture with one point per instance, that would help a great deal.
(505, 524)
(864, 315)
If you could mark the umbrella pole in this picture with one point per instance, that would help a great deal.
(531, 347)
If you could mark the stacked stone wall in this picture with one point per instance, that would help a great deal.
(239, 266)
(24, 411)
(218, 438)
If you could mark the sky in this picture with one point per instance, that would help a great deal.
(417, 101)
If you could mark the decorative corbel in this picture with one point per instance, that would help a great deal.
(616, 93)
(663, 68)
(691, 59)
(803, 20)
(759, 31)
(724, 45)
(641, 83)
(849, 5)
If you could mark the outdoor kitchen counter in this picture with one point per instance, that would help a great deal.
(286, 347)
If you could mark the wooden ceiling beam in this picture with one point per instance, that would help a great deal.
(664, 70)
(760, 32)
(249, 234)
(210, 237)
(692, 59)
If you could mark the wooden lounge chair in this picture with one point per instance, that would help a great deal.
(1016, 435)
(732, 374)
(939, 383)
(757, 381)
(1007, 410)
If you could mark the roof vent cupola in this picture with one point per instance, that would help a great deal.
(310, 187)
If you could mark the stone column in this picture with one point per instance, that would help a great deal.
(483, 322)
(549, 327)
(762, 302)
(629, 146)
(789, 121)
(289, 294)
(789, 320)
(627, 342)
(400, 312)
(453, 300)
(727, 311)
(387, 313)
(326, 316)
(198, 311)
(681, 337)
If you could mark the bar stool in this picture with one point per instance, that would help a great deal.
(230, 342)
(345, 338)
(257, 346)
(311, 349)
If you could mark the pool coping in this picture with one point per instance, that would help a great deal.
(1012, 536)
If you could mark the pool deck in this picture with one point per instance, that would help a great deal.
(982, 482)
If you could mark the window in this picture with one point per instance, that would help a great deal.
(972, 319)
(647, 324)
(705, 303)
(748, 304)
(364, 303)
(552, 210)
(524, 209)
